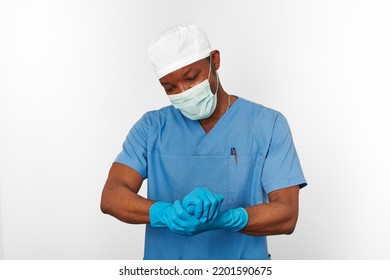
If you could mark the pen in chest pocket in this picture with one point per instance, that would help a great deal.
(233, 152)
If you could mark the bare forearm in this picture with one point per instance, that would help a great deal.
(279, 216)
(270, 219)
(125, 205)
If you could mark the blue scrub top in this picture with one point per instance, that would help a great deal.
(176, 155)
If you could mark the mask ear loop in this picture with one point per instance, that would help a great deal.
(208, 78)
(216, 91)
(216, 73)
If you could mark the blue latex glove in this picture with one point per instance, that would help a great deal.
(173, 216)
(164, 214)
(202, 203)
(180, 221)
(157, 214)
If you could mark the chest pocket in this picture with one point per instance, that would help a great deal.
(236, 178)
(244, 180)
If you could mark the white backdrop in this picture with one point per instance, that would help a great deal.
(74, 77)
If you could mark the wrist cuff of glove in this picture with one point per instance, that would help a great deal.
(239, 219)
(157, 214)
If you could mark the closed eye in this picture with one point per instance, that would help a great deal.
(194, 77)
(170, 89)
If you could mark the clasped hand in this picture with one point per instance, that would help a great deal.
(196, 213)
(202, 203)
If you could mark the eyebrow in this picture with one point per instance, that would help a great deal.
(185, 74)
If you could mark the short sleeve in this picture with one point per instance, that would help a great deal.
(281, 165)
(134, 149)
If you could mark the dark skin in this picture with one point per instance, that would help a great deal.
(120, 196)
(191, 75)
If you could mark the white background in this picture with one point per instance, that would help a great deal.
(74, 77)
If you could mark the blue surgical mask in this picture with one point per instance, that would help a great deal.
(198, 102)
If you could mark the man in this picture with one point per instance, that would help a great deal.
(222, 171)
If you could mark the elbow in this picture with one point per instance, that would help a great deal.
(289, 229)
(105, 204)
(289, 226)
(103, 208)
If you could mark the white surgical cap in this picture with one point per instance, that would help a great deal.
(177, 47)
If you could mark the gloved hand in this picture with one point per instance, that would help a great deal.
(157, 214)
(202, 203)
(173, 216)
(178, 220)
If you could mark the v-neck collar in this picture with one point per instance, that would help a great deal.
(220, 119)
(207, 137)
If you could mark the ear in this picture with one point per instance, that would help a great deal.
(215, 59)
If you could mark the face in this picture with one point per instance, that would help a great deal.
(191, 75)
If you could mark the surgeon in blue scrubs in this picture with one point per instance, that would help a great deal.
(222, 172)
